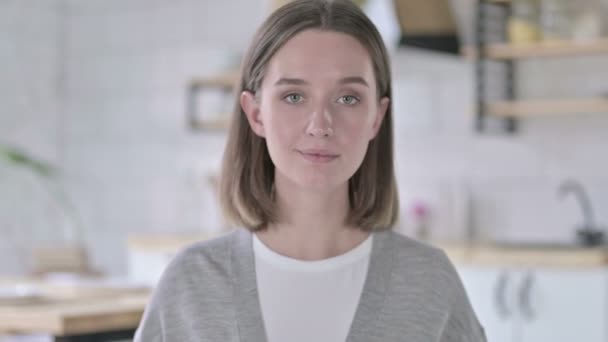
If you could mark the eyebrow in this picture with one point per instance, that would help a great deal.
(354, 79)
(298, 81)
(290, 81)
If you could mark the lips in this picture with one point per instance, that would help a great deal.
(318, 156)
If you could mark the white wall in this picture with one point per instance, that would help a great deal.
(29, 119)
(134, 167)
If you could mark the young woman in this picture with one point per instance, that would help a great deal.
(308, 174)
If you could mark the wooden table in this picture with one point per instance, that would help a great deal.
(72, 313)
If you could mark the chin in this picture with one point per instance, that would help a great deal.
(320, 182)
(321, 179)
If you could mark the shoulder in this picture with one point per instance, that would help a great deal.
(425, 273)
(419, 263)
(424, 277)
(409, 252)
(196, 287)
(202, 266)
(215, 251)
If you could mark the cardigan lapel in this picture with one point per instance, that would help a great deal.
(248, 310)
(250, 323)
(374, 290)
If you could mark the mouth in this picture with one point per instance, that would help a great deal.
(318, 156)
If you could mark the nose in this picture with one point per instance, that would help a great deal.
(320, 124)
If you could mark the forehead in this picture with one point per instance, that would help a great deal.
(321, 54)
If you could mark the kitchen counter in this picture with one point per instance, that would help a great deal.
(488, 254)
(69, 312)
(479, 253)
(169, 243)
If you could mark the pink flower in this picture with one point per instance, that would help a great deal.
(419, 210)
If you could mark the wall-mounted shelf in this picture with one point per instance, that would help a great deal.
(225, 82)
(507, 51)
(546, 49)
(506, 55)
(221, 123)
(528, 108)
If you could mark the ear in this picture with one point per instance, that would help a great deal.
(382, 108)
(251, 107)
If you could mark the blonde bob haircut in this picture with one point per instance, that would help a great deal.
(247, 178)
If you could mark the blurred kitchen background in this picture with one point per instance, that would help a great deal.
(113, 121)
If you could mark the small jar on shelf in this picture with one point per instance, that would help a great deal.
(523, 24)
(587, 24)
(557, 19)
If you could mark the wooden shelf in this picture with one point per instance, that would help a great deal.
(547, 49)
(225, 80)
(524, 108)
(506, 51)
(222, 123)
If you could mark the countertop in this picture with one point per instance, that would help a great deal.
(478, 253)
(488, 254)
(71, 310)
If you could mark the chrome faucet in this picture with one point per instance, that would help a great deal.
(589, 234)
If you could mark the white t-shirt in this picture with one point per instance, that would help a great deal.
(310, 300)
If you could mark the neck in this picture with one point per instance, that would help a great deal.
(312, 223)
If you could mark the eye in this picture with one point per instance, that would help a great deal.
(293, 98)
(348, 100)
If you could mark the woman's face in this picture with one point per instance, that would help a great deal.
(317, 108)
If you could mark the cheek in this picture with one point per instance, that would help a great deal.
(281, 128)
(355, 135)
(277, 120)
(356, 127)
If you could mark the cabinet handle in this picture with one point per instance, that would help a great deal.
(524, 296)
(499, 296)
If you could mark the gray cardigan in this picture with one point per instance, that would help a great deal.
(411, 293)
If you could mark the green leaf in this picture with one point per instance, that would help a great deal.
(19, 158)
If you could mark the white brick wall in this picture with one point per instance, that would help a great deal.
(29, 120)
(134, 167)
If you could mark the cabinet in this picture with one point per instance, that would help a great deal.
(486, 288)
(539, 304)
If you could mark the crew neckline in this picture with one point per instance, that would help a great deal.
(267, 255)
